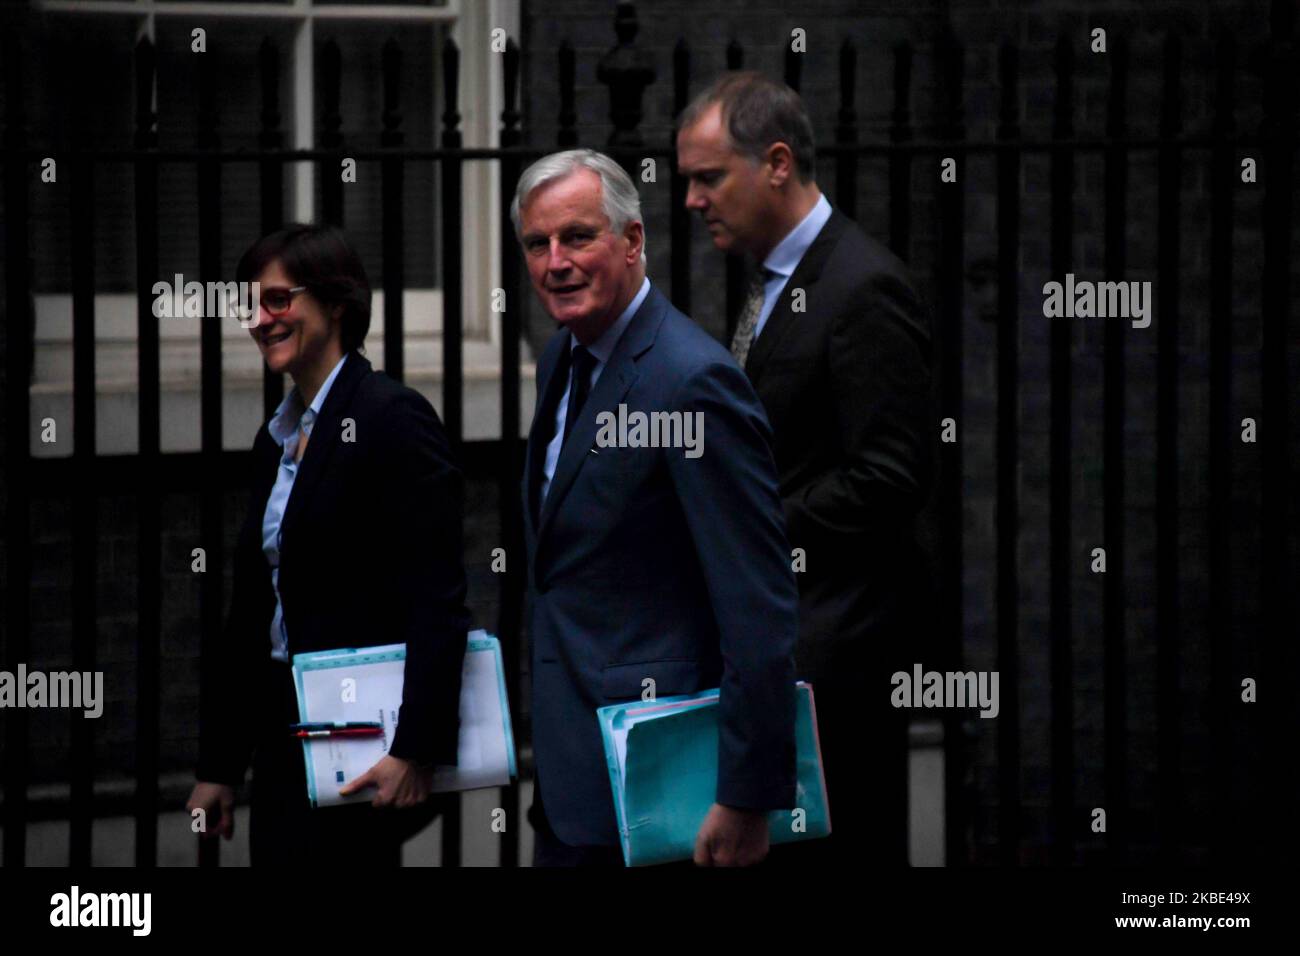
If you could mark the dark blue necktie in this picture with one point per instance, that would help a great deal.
(583, 364)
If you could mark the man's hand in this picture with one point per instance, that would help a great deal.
(401, 783)
(214, 799)
(732, 837)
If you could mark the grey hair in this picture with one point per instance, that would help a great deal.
(618, 194)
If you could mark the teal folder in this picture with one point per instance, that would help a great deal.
(663, 768)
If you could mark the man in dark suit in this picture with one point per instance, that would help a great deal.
(834, 338)
(662, 568)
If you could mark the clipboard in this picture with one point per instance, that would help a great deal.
(365, 684)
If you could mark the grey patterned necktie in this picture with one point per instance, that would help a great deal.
(744, 337)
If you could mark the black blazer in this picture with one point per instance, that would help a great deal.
(370, 554)
(847, 387)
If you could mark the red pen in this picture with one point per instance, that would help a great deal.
(342, 732)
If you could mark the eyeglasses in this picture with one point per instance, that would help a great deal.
(277, 301)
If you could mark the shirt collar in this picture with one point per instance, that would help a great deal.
(785, 257)
(603, 347)
(290, 412)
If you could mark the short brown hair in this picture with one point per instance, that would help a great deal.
(758, 112)
(321, 258)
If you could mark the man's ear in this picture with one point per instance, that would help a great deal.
(781, 159)
(634, 233)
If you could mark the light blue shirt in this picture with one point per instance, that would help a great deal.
(600, 350)
(284, 429)
(784, 259)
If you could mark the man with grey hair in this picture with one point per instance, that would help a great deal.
(835, 340)
(651, 570)
(618, 196)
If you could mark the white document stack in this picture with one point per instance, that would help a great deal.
(365, 684)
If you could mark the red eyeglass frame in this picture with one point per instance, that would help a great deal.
(273, 312)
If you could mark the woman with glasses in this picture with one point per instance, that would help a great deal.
(352, 539)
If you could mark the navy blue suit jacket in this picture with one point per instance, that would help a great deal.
(644, 563)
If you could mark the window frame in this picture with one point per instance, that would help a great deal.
(481, 103)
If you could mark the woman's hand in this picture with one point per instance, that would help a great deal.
(401, 783)
(215, 800)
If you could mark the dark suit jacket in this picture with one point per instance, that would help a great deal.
(644, 563)
(370, 554)
(846, 385)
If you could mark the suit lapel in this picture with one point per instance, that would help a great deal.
(325, 436)
(805, 275)
(618, 376)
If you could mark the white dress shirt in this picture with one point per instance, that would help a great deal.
(784, 259)
(600, 350)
